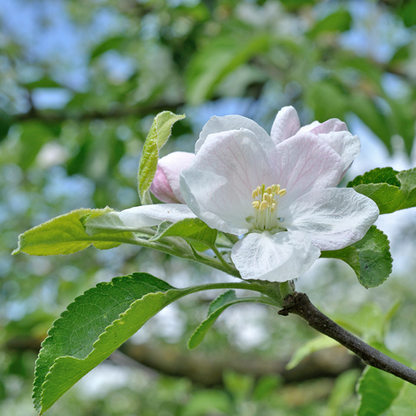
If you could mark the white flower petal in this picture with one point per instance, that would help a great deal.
(222, 124)
(285, 125)
(149, 215)
(214, 200)
(345, 144)
(238, 156)
(278, 257)
(219, 183)
(304, 163)
(333, 218)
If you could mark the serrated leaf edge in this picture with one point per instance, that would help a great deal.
(390, 258)
(55, 327)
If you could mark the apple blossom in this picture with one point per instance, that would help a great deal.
(277, 192)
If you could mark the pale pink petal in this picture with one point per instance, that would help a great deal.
(279, 257)
(327, 126)
(215, 201)
(304, 163)
(345, 144)
(233, 122)
(161, 188)
(332, 218)
(165, 184)
(335, 133)
(150, 215)
(285, 125)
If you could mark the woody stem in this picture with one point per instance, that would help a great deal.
(299, 304)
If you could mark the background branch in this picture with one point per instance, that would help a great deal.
(207, 369)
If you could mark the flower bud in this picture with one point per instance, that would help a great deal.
(165, 186)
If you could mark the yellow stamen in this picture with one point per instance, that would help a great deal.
(265, 204)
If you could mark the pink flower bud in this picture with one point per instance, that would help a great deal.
(165, 186)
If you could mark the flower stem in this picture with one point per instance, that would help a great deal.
(233, 238)
(221, 258)
(299, 304)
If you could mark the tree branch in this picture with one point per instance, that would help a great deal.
(299, 304)
(53, 116)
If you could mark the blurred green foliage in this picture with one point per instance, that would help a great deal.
(115, 64)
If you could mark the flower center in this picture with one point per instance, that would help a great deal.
(265, 206)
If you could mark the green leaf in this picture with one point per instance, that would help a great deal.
(405, 403)
(389, 189)
(293, 5)
(402, 54)
(384, 394)
(315, 344)
(218, 59)
(108, 44)
(66, 234)
(191, 229)
(44, 82)
(93, 327)
(223, 299)
(370, 258)
(366, 109)
(239, 385)
(403, 121)
(266, 386)
(208, 402)
(5, 123)
(327, 99)
(34, 135)
(217, 307)
(159, 134)
(369, 322)
(407, 11)
(377, 390)
(108, 222)
(343, 390)
(380, 175)
(340, 21)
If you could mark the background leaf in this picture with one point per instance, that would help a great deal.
(405, 403)
(377, 391)
(219, 58)
(340, 21)
(315, 344)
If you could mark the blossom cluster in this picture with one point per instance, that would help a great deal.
(278, 193)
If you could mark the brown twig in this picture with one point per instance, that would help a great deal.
(299, 304)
